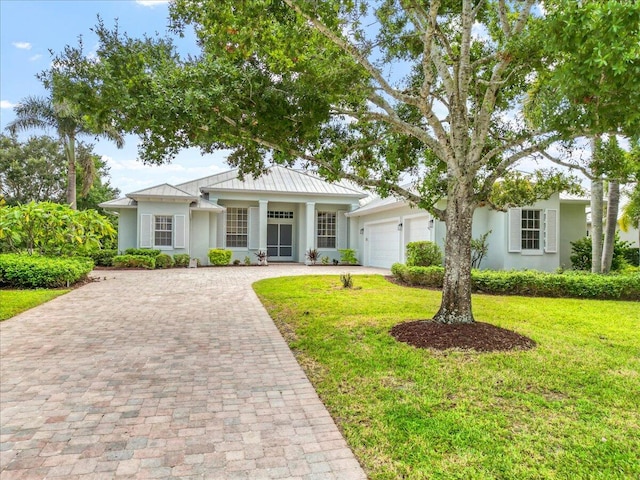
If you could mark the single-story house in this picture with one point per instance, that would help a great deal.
(287, 212)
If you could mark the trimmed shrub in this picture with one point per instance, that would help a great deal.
(164, 261)
(181, 259)
(348, 256)
(421, 276)
(134, 261)
(531, 283)
(219, 257)
(142, 251)
(33, 271)
(103, 258)
(423, 254)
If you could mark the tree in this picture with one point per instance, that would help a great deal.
(374, 92)
(31, 171)
(36, 171)
(593, 50)
(63, 116)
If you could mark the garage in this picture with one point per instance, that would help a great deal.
(383, 244)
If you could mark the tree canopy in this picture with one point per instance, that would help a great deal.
(421, 100)
(36, 170)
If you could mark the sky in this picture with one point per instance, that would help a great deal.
(30, 28)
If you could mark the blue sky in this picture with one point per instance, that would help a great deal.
(29, 29)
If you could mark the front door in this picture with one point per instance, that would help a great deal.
(280, 242)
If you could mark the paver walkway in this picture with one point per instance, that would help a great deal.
(162, 374)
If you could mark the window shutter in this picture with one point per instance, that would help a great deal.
(341, 229)
(551, 231)
(146, 230)
(180, 234)
(254, 228)
(515, 230)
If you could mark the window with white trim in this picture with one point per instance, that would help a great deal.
(531, 228)
(326, 228)
(163, 231)
(237, 227)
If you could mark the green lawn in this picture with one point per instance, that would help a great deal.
(568, 409)
(13, 302)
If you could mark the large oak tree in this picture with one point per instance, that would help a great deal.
(385, 93)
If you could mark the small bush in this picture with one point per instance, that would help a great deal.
(247, 260)
(142, 251)
(532, 283)
(325, 260)
(134, 261)
(103, 258)
(33, 271)
(347, 280)
(632, 256)
(348, 256)
(581, 254)
(181, 260)
(236, 262)
(423, 254)
(219, 257)
(313, 255)
(164, 261)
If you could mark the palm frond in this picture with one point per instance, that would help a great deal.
(33, 112)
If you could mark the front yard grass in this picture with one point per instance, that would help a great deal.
(568, 409)
(13, 302)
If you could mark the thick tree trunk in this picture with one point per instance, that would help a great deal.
(456, 290)
(597, 191)
(71, 172)
(613, 203)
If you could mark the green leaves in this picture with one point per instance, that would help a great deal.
(51, 229)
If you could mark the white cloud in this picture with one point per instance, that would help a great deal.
(22, 45)
(151, 3)
(35, 57)
(6, 104)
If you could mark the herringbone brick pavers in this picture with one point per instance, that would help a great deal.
(162, 374)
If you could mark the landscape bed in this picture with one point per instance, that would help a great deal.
(567, 408)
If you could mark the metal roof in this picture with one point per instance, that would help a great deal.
(284, 180)
(163, 191)
(123, 202)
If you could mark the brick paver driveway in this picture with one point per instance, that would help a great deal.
(162, 374)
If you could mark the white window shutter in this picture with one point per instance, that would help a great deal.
(515, 230)
(254, 228)
(551, 231)
(180, 234)
(146, 230)
(341, 229)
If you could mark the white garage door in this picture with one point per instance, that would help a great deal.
(383, 244)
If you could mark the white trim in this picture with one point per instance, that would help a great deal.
(179, 231)
(551, 230)
(514, 230)
(146, 230)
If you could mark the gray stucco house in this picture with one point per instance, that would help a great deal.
(288, 212)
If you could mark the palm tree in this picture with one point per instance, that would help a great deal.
(42, 112)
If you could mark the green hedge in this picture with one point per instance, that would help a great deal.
(103, 258)
(33, 271)
(532, 283)
(181, 259)
(134, 261)
(423, 254)
(142, 251)
(219, 257)
(164, 261)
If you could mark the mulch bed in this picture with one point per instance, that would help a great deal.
(478, 336)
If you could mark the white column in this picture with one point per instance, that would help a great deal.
(262, 212)
(311, 226)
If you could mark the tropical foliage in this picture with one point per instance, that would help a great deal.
(52, 229)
